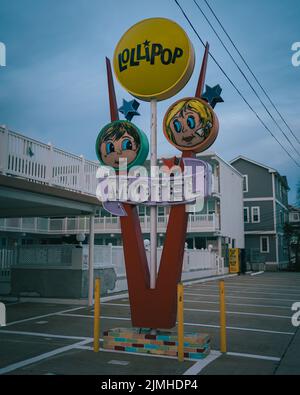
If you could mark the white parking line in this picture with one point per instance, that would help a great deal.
(49, 335)
(247, 287)
(186, 324)
(287, 307)
(253, 282)
(42, 316)
(256, 273)
(200, 365)
(266, 358)
(258, 292)
(87, 339)
(242, 329)
(39, 358)
(240, 297)
(214, 311)
(209, 279)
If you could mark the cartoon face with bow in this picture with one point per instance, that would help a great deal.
(191, 125)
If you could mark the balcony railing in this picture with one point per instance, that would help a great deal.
(30, 159)
(68, 226)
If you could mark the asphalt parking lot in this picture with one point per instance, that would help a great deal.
(56, 339)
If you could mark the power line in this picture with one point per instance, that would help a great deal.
(244, 75)
(234, 86)
(250, 70)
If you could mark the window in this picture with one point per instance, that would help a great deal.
(211, 207)
(295, 217)
(246, 215)
(161, 211)
(255, 214)
(141, 210)
(245, 183)
(264, 244)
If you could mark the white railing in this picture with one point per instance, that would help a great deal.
(70, 256)
(30, 159)
(7, 258)
(197, 223)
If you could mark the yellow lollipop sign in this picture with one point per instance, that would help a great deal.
(154, 59)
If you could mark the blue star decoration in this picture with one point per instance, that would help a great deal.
(129, 109)
(213, 95)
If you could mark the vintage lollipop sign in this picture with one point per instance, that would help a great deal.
(154, 59)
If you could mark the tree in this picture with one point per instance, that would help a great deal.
(298, 194)
(292, 234)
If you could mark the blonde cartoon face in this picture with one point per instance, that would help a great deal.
(191, 125)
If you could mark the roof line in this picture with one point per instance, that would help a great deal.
(270, 169)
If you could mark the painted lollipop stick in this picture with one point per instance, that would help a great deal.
(201, 81)
(111, 93)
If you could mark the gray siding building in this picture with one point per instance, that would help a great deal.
(265, 212)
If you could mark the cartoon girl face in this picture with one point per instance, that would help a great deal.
(119, 140)
(189, 123)
(113, 149)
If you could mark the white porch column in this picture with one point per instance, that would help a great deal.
(220, 246)
(91, 259)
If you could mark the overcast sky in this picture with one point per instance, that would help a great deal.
(54, 85)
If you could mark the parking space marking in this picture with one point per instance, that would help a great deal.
(243, 329)
(200, 365)
(46, 335)
(114, 297)
(254, 282)
(209, 279)
(42, 316)
(259, 292)
(256, 273)
(41, 357)
(213, 311)
(266, 358)
(287, 307)
(240, 297)
(246, 287)
(87, 340)
(116, 362)
(241, 313)
(186, 324)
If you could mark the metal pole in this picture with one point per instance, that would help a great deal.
(97, 315)
(91, 259)
(180, 319)
(153, 210)
(223, 343)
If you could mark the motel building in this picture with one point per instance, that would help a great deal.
(41, 240)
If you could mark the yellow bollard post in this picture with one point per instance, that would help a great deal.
(223, 342)
(180, 319)
(97, 315)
